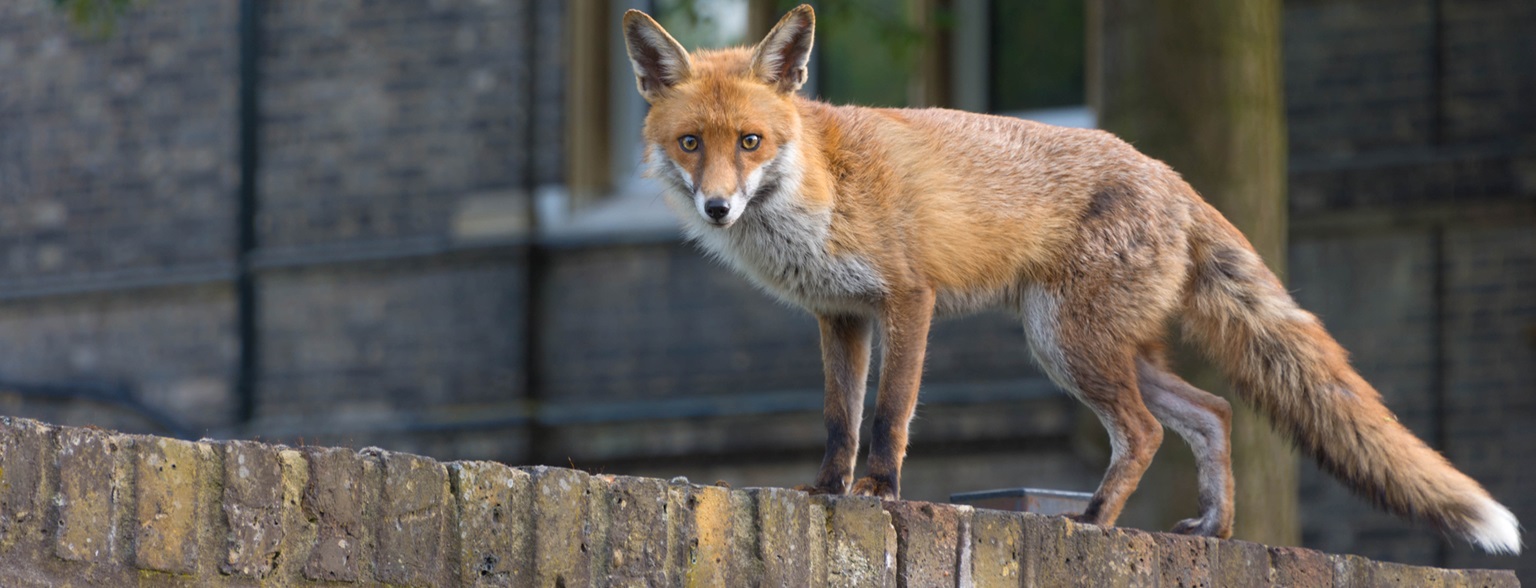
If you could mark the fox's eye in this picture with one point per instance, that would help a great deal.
(689, 143)
(750, 142)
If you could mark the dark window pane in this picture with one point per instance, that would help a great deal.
(866, 51)
(1037, 54)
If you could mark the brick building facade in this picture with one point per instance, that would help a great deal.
(311, 221)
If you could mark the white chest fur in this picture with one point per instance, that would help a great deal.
(778, 243)
(784, 250)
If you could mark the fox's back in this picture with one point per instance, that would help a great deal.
(979, 203)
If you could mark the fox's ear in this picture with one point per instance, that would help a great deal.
(780, 60)
(659, 61)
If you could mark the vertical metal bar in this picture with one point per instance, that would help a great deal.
(533, 304)
(245, 284)
(1436, 73)
(1437, 140)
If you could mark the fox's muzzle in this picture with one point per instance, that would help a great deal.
(719, 210)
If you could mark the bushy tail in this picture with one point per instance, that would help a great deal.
(1282, 361)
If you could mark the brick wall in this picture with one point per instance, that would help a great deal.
(100, 508)
(118, 154)
(173, 345)
(396, 134)
(118, 174)
(386, 121)
(1392, 104)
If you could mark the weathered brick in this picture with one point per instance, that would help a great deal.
(818, 543)
(411, 520)
(25, 449)
(701, 535)
(253, 508)
(634, 549)
(746, 564)
(861, 542)
(1396, 574)
(1061, 552)
(1489, 579)
(561, 526)
(296, 545)
(785, 527)
(495, 524)
(168, 483)
(1184, 561)
(927, 541)
(93, 488)
(1294, 566)
(1353, 570)
(1045, 559)
(333, 499)
(997, 545)
(1116, 556)
(599, 519)
(1241, 563)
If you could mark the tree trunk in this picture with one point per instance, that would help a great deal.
(1197, 83)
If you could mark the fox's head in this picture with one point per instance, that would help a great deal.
(723, 124)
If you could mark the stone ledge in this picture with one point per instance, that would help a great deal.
(81, 506)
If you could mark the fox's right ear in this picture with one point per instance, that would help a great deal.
(659, 61)
(781, 58)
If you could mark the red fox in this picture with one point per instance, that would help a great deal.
(893, 217)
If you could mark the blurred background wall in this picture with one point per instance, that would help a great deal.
(419, 225)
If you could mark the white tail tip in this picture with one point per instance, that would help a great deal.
(1496, 530)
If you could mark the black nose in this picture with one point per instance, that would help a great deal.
(717, 208)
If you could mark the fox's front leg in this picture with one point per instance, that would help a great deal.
(845, 359)
(905, 320)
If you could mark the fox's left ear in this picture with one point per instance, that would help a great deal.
(780, 60)
(659, 61)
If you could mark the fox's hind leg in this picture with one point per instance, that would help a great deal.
(1204, 420)
(1082, 357)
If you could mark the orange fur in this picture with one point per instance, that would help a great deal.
(892, 217)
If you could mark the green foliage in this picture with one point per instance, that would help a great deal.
(95, 17)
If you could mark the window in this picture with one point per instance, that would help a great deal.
(866, 53)
(1037, 55)
(1024, 58)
